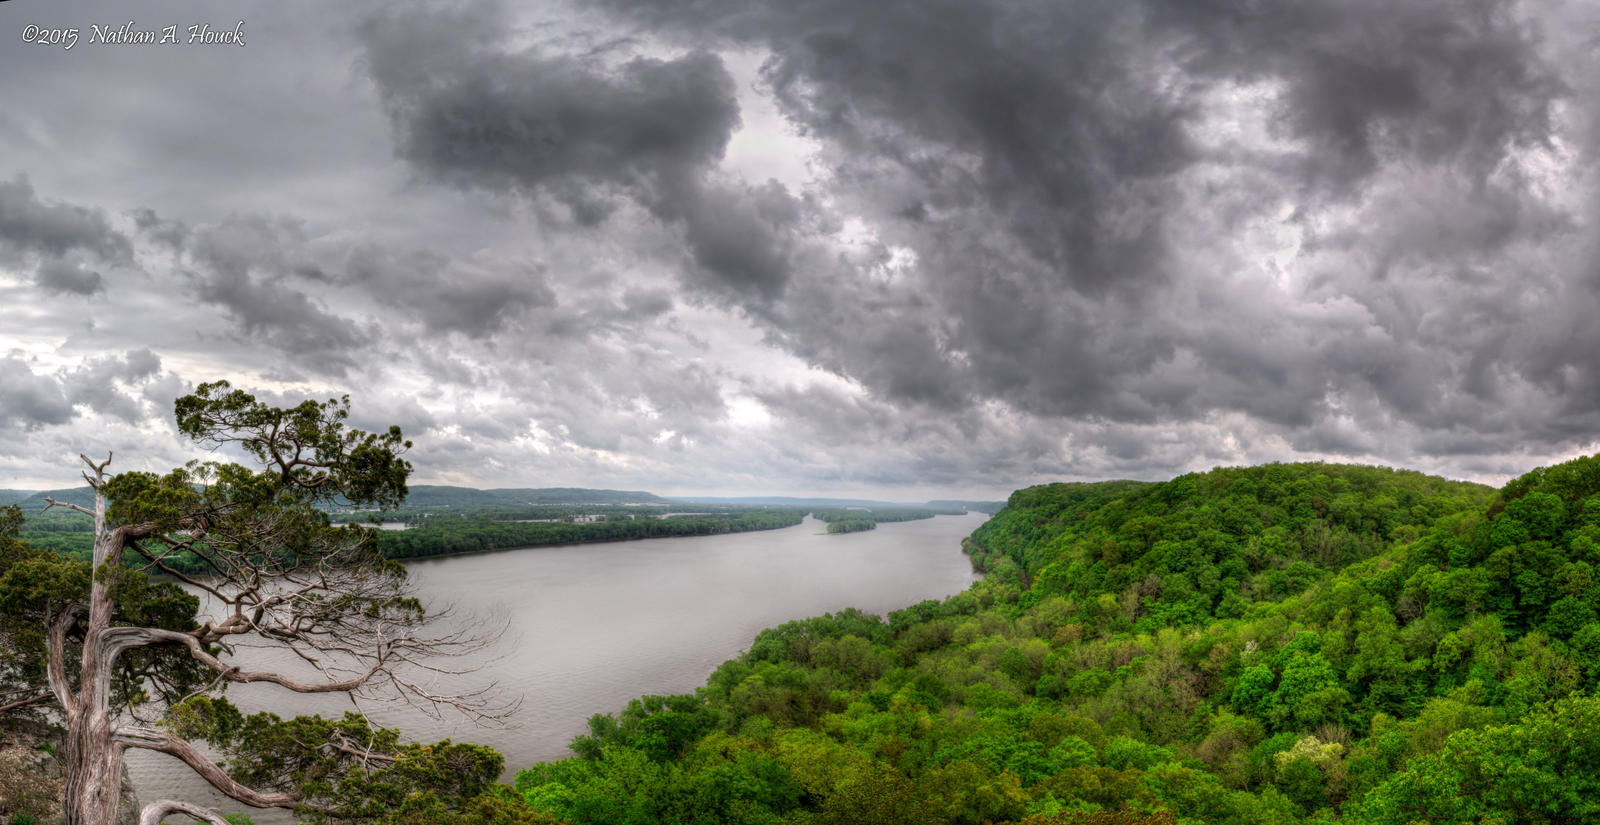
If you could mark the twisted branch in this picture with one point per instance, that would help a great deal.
(158, 810)
(163, 742)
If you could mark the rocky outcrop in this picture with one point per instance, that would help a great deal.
(33, 777)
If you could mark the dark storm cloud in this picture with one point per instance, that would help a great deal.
(63, 240)
(68, 276)
(444, 294)
(470, 111)
(95, 384)
(30, 400)
(32, 225)
(1076, 180)
(1437, 81)
(1041, 113)
(246, 266)
(35, 399)
(1019, 239)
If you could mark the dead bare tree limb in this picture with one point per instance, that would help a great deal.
(156, 811)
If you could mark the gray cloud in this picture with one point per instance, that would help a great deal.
(31, 225)
(246, 266)
(94, 384)
(473, 112)
(109, 386)
(1366, 82)
(445, 295)
(467, 110)
(169, 233)
(69, 277)
(30, 400)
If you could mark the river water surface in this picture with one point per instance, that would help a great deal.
(592, 626)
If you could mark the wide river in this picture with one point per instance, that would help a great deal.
(591, 626)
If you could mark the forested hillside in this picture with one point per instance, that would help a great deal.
(1274, 644)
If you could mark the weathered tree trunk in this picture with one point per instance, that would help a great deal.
(94, 759)
(94, 772)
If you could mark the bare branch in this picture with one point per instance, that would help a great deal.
(163, 742)
(159, 563)
(121, 638)
(56, 668)
(50, 502)
(159, 809)
(99, 470)
(26, 701)
(366, 754)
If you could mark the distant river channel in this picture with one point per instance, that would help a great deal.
(592, 626)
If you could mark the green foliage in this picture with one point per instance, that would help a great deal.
(880, 514)
(345, 765)
(448, 534)
(1540, 769)
(36, 585)
(327, 461)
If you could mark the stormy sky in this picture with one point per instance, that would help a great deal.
(905, 248)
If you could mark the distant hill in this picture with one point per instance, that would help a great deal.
(13, 496)
(35, 499)
(430, 495)
(791, 501)
(990, 507)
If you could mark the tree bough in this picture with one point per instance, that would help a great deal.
(277, 572)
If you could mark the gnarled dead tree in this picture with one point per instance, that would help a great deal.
(274, 571)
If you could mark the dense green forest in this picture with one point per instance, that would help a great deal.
(1276, 644)
(851, 525)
